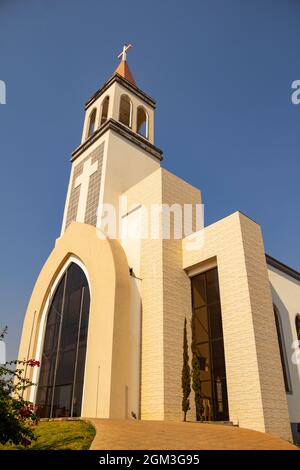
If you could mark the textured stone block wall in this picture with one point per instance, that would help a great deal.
(254, 378)
(147, 192)
(166, 301)
(93, 192)
(176, 300)
(274, 401)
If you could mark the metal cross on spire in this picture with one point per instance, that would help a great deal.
(123, 54)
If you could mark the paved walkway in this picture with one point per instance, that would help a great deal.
(159, 435)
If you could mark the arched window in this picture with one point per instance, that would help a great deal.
(104, 110)
(285, 371)
(125, 113)
(142, 122)
(92, 122)
(60, 383)
(297, 322)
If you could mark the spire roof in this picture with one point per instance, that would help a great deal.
(124, 71)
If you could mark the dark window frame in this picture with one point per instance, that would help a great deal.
(297, 325)
(211, 299)
(63, 343)
(282, 352)
(92, 122)
(142, 128)
(104, 110)
(125, 98)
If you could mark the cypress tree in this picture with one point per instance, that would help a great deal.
(185, 375)
(196, 381)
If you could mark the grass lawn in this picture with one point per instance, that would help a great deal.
(60, 435)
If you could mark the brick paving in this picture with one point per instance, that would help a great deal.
(168, 435)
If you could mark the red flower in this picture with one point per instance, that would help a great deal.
(24, 412)
(33, 362)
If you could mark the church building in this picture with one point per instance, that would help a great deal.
(107, 312)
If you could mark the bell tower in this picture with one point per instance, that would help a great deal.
(117, 146)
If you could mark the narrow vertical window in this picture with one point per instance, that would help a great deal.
(283, 359)
(142, 122)
(104, 111)
(297, 323)
(92, 122)
(208, 344)
(125, 111)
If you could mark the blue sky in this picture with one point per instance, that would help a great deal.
(221, 72)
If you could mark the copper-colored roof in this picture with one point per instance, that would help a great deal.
(124, 71)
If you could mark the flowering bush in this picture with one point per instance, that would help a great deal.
(17, 416)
